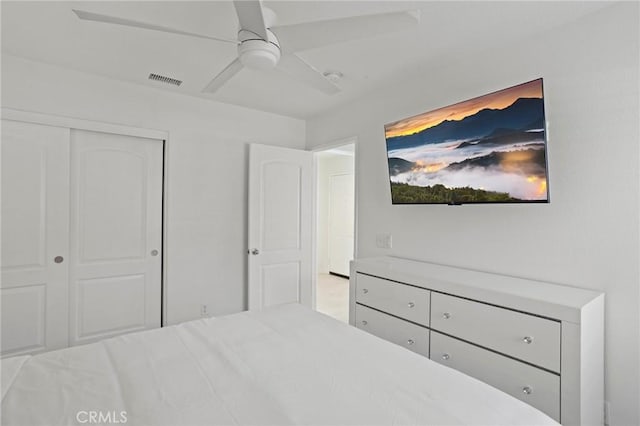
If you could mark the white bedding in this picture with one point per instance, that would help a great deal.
(285, 365)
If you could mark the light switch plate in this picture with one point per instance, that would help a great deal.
(383, 241)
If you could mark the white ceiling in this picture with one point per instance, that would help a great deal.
(49, 32)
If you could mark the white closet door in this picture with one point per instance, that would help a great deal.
(35, 227)
(116, 234)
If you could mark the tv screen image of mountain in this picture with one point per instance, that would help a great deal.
(489, 149)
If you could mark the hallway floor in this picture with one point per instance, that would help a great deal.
(332, 296)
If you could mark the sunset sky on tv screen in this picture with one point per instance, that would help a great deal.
(487, 149)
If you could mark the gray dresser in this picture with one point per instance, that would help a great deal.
(542, 343)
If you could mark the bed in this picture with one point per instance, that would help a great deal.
(286, 365)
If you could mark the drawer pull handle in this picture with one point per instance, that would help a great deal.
(527, 390)
(446, 315)
(364, 322)
(365, 291)
(446, 356)
(410, 342)
(528, 340)
(411, 304)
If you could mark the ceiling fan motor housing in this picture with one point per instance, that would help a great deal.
(256, 53)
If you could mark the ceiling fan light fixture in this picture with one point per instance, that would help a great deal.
(259, 48)
(258, 54)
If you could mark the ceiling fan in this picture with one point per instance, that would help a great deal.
(263, 45)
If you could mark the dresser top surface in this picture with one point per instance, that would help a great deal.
(484, 286)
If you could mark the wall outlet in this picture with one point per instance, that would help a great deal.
(383, 241)
(607, 413)
(204, 312)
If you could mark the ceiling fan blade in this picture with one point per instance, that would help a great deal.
(224, 76)
(251, 17)
(296, 67)
(90, 16)
(310, 35)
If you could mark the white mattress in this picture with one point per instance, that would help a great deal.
(285, 365)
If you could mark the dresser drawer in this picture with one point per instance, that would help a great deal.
(526, 337)
(401, 300)
(394, 330)
(532, 385)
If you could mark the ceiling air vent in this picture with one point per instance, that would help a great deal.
(164, 79)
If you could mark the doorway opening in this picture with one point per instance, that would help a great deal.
(335, 228)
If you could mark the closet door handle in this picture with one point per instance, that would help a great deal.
(58, 259)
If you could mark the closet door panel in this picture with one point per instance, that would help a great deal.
(126, 292)
(112, 205)
(116, 234)
(35, 227)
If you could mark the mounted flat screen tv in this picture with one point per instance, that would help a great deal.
(490, 149)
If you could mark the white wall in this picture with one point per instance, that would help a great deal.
(207, 169)
(328, 165)
(588, 236)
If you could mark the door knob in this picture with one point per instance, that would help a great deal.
(254, 251)
(58, 259)
(154, 252)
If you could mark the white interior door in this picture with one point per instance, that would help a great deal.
(116, 234)
(280, 224)
(35, 227)
(341, 216)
